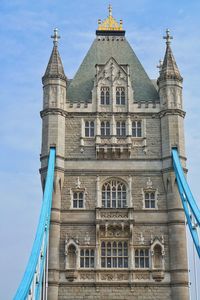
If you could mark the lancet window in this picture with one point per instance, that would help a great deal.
(120, 95)
(136, 128)
(78, 199)
(105, 128)
(121, 128)
(105, 95)
(142, 258)
(89, 128)
(87, 258)
(150, 199)
(114, 254)
(114, 194)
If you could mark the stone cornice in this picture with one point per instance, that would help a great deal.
(53, 111)
(174, 111)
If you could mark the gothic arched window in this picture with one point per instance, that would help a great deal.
(105, 128)
(121, 128)
(105, 95)
(114, 254)
(136, 128)
(120, 95)
(142, 258)
(89, 128)
(114, 194)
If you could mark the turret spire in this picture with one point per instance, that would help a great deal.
(55, 67)
(169, 69)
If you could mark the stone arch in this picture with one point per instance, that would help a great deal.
(72, 257)
(157, 257)
(71, 254)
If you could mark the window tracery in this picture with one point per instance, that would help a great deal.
(114, 194)
(105, 95)
(120, 95)
(114, 254)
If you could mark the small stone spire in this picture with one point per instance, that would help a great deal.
(169, 69)
(55, 68)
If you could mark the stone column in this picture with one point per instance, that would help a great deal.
(54, 240)
(177, 242)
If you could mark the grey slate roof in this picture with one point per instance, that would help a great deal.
(99, 53)
(169, 68)
(55, 67)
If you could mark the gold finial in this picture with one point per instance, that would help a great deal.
(55, 37)
(110, 23)
(168, 37)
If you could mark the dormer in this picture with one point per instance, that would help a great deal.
(112, 90)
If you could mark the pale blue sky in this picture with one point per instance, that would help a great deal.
(25, 49)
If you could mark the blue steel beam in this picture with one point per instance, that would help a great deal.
(191, 209)
(31, 281)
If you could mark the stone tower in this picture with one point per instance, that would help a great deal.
(117, 224)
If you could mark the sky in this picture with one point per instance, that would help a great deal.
(25, 30)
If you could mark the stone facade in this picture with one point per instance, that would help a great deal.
(117, 224)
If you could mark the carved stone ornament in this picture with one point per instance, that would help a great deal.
(142, 276)
(114, 215)
(87, 239)
(141, 239)
(78, 183)
(87, 276)
(149, 184)
(114, 276)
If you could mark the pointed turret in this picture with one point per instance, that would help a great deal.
(169, 68)
(54, 79)
(55, 67)
(54, 100)
(170, 92)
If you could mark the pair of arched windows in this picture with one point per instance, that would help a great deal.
(105, 95)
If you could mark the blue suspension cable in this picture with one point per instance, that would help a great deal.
(32, 280)
(191, 209)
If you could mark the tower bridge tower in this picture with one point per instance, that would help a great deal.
(117, 225)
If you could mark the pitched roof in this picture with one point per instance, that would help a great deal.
(55, 67)
(99, 53)
(169, 68)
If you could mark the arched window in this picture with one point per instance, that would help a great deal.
(89, 128)
(105, 128)
(105, 95)
(121, 128)
(120, 95)
(150, 199)
(78, 199)
(114, 254)
(142, 258)
(87, 258)
(136, 128)
(114, 194)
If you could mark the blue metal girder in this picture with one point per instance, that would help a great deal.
(191, 209)
(32, 279)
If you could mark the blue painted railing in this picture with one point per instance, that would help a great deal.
(191, 209)
(32, 281)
